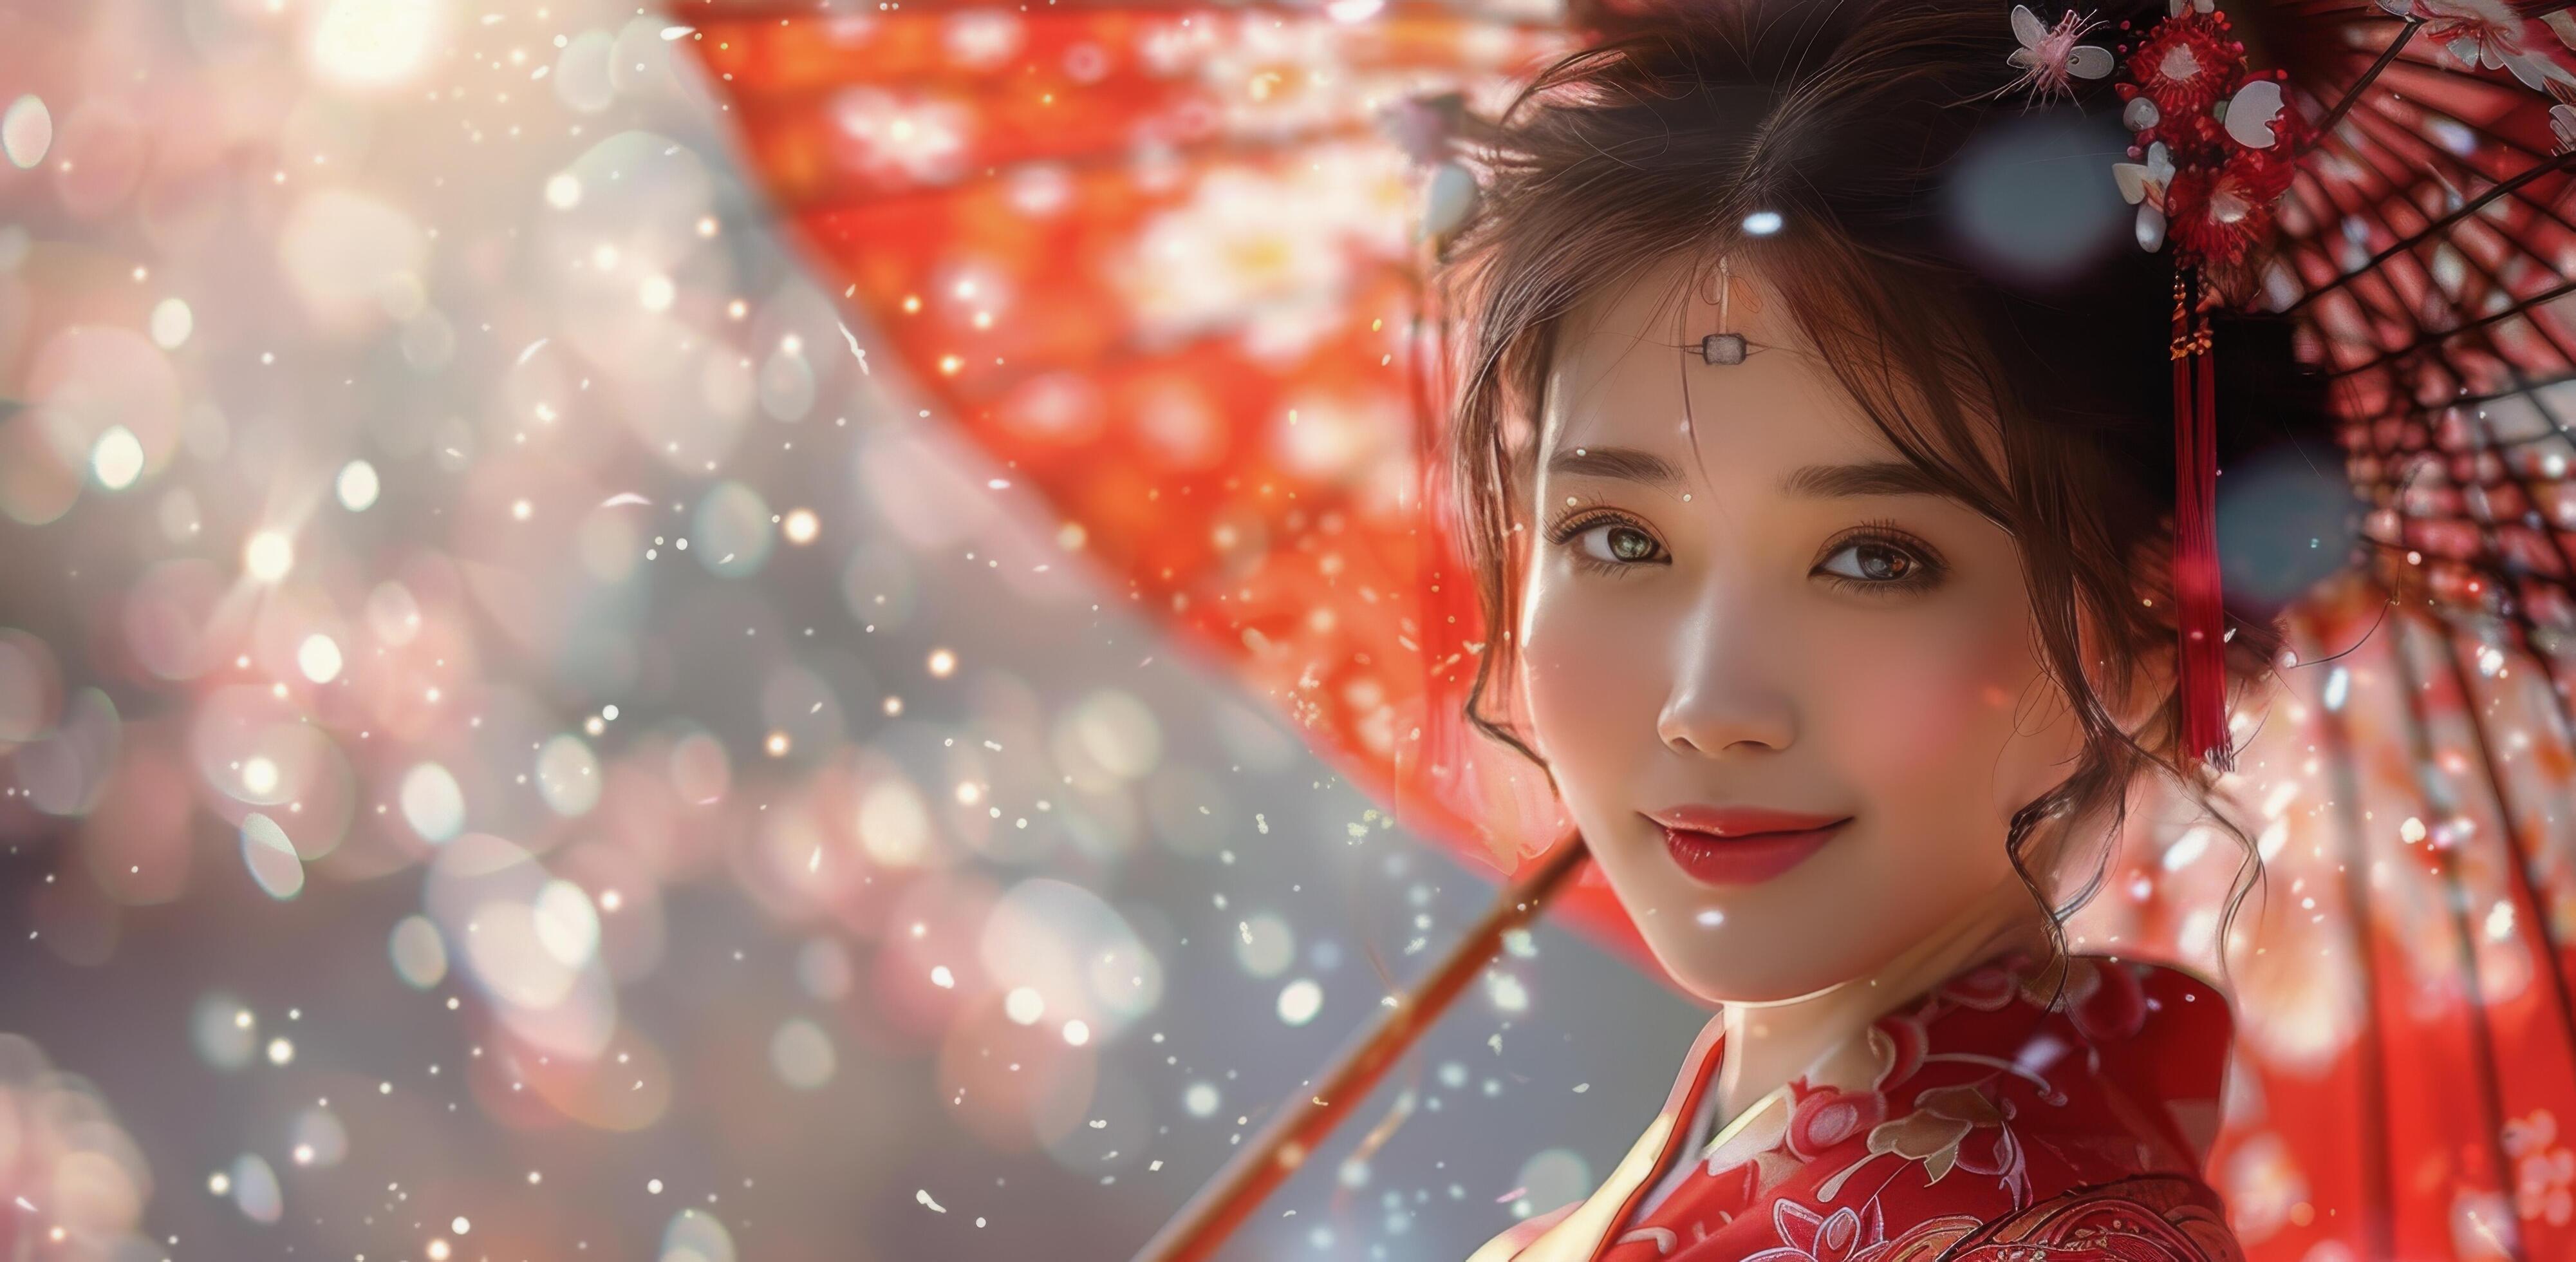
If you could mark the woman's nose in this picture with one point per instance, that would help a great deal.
(1725, 693)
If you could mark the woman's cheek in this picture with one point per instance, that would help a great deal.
(1926, 728)
(1557, 678)
(1582, 673)
(1921, 709)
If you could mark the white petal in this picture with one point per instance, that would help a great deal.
(2151, 228)
(2251, 111)
(2026, 27)
(2402, 8)
(2160, 167)
(2132, 179)
(2562, 22)
(2537, 69)
(2088, 62)
(2141, 114)
(2022, 57)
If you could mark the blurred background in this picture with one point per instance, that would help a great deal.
(518, 741)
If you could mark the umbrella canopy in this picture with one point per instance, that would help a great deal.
(1163, 262)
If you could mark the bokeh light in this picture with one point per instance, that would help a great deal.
(375, 43)
(269, 556)
(26, 131)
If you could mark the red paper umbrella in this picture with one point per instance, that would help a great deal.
(1164, 260)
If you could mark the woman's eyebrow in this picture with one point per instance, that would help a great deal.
(1629, 463)
(1815, 481)
(1873, 477)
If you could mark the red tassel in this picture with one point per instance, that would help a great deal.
(2201, 617)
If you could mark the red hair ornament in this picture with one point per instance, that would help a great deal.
(2215, 148)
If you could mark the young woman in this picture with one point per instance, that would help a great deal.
(1816, 447)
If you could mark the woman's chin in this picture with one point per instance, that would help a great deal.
(1733, 979)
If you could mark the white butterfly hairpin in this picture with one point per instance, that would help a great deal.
(2050, 59)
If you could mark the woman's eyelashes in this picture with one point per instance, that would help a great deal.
(1607, 542)
(1882, 560)
(1886, 561)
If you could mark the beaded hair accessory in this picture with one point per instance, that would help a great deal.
(1723, 346)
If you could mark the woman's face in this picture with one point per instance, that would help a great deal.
(1757, 605)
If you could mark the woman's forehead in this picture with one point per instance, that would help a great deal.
(1628, 372)
(1671, 303)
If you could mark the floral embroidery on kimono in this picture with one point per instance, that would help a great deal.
(2014, 1113)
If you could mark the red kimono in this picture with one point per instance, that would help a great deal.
(1999, 1118)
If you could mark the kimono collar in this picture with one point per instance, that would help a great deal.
(2009, 1082)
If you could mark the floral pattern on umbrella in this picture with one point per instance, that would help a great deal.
(1162, 261)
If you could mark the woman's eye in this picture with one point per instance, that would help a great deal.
(1618, 543)
(1880, 564)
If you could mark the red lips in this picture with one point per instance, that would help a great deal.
(1739, 821)
(1742, 845)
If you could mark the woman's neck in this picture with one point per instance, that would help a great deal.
(1770, 1044)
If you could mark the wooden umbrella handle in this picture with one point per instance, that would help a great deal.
(1293, 1133)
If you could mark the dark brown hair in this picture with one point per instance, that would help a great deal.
(1961, 259)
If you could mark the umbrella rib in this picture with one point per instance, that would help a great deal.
(2481, 1035)
(2484, 319)
(2396, 303)
(2352, 93)
(2530, 388)
(2478, 400)
(2537, 209)
(2482, 131)
(2379, 1220)
(2551, 580)
(2407, 242)
(2486, 525)
(2459, 172)
(2558, 545)
(2429, 344)
(2427, 341)
(2435, 67)
(2355, 11)
(2466, 208)
(2523, 303)
(2526, 884)
(2526, 880)
(2442, 72)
